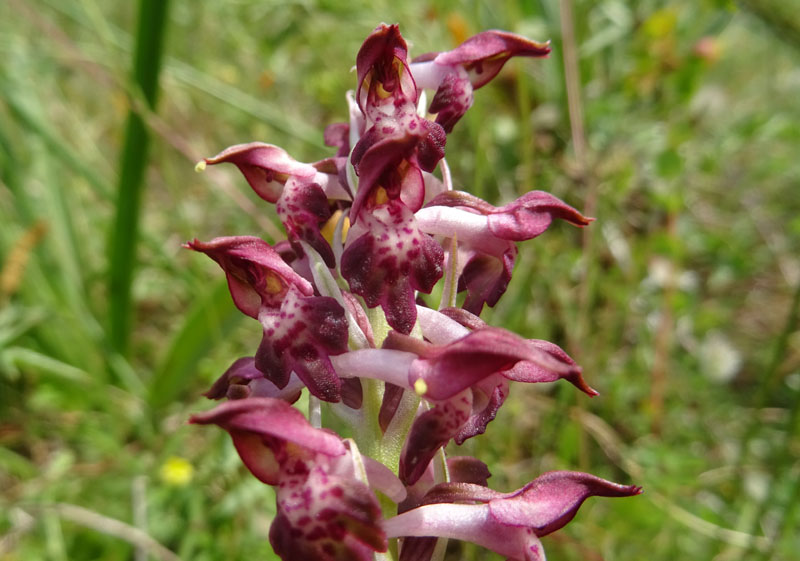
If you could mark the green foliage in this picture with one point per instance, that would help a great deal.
(151, 28)
(677, 301)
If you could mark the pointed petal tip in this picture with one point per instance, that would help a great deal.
(628, 491)
(577, 380)
(545, 47)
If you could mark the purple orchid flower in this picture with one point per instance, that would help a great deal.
(398, 144)
(257, 276)
(300, 338)
(300, 191)
(242, 379)
(300, 330)
(466, 382)
(455, 74)
(487, 234)
(369, 229)
(267, 168)
(507, 523)
(388, 259)
(326, 510)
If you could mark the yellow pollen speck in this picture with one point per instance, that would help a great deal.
(420, 387)
(273, 284)
(176, 471)
(380, 196)
(201, 166)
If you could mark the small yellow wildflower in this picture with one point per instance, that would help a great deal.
(176, 471)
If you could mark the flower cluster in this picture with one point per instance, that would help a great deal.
(368, 230)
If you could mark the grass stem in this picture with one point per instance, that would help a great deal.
(148, 55)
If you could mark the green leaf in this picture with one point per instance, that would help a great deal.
(147, 65)
(28, 358)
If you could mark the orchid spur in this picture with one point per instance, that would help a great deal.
(369, 230)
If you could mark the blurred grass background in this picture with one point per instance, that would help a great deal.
(678, 131)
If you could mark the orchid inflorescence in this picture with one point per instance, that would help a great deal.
(369, 229)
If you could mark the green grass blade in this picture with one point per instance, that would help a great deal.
(21, 357)
(147, 64)
(208, 321)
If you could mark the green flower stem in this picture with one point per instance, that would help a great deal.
(395, 435)
(124, 236)
(370, 432)
(368, 435)
(380, 327)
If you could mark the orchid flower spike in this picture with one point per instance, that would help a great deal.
(369, 230)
